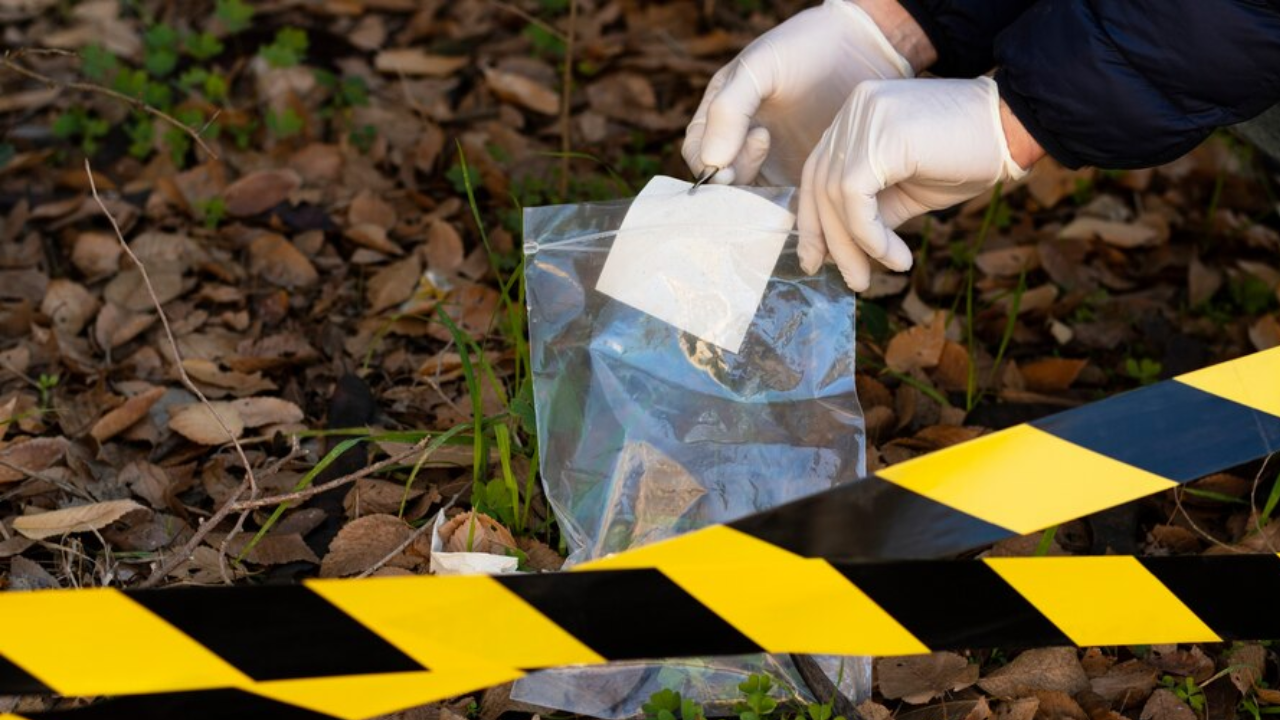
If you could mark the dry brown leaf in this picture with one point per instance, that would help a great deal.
(917, 679)
(363, 542)
(394, 284)
(196, 422)
(522, 91)
(96, 254)
(209, 373)
(31, 456)
(374, 497)
(79, 518)
(259, 411)
(1119, 234)
(121, 418)
(1020, 709)
(373, 237)
(416, 62)
(445, 252)
(69, 305)
(368, 208)
(260, 191)
(1164, 705)
(1010, 261)
(1266, 696)
(540, 556)
(116, 326)
(1057, 705)
(1265, 333)
(1190, 662)
(952, 372)
(484, 535)
(975, 709)
(1049, 182)
(1038, 669)
(279, 262)
(1247, 662)
(128, 289)
(275, 549)
(1051, 374)
(871, 710)
(1126, 684)
(917, 347)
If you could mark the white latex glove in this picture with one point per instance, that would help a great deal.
(897, 149)
(763, 112)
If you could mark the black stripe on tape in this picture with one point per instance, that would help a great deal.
(16, 681)
(954, 604)
(1161, 429)
(1235, 595)
(200, 705)
(871, 519)
(630, 614)
(276, 632)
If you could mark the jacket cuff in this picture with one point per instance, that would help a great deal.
(1026, 115)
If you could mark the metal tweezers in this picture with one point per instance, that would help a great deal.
(707, 174)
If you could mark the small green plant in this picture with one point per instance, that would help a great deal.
(284, 125)
(362, 137)
(668, 704)
(212, 212)
(83, 127)
(756, 703)
(1187, 690)
(46, 384)
(160, 50)
(287, 49)
(1144, 370)
(235, 15)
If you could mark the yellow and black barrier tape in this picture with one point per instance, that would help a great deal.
(358, 648)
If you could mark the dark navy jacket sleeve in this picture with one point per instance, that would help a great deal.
(963, 32)
(1136, 83)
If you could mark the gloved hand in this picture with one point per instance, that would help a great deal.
(897, 149)
(763, 112)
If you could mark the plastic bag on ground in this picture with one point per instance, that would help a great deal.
(646, 431)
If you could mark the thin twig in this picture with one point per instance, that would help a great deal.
(566, 89)
(250, 481)
(544, 26)
(6, 61)
(314, 490)
(417, 533)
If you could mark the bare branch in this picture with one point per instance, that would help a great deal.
(7, 61)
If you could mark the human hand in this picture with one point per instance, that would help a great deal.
(763, 113)
(898, 149)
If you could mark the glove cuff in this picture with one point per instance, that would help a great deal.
(1009, 169)
(867, 26)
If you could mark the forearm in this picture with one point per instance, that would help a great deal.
(902, 31)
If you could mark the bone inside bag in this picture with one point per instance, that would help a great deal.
(660, 410)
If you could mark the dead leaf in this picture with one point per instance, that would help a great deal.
(121, 418)
(917, 679)
(394, 284)
(116, 326)
(239, 383)
(1126, 684)
(539, 556)
(976, 709)
(1020, 709)
(79, 518)
(917, 347)
(128, 289)
(484, 535)
(416, 62)
(1038, 669)
(1247, 663)
(444, 250)
(367, 208)
(1119, 234)
(522, 91)
(1164, 705)
(373, 237)
(1049, 182)
(30, 456)
(69, 305)
(1008, 262)
(197, 422)
(260, 191)
(275, 549)
(148, 481)
(259, 411)
(1057, 705)
(279, 262)
(871, 710)
(1051, 374)
(363, 542)
(1265, 333)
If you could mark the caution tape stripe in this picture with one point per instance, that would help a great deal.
(355, 648)
(909, 607)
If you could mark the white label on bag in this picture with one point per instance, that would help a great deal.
(699, 262)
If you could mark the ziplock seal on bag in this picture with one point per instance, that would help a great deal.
(646, 431)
